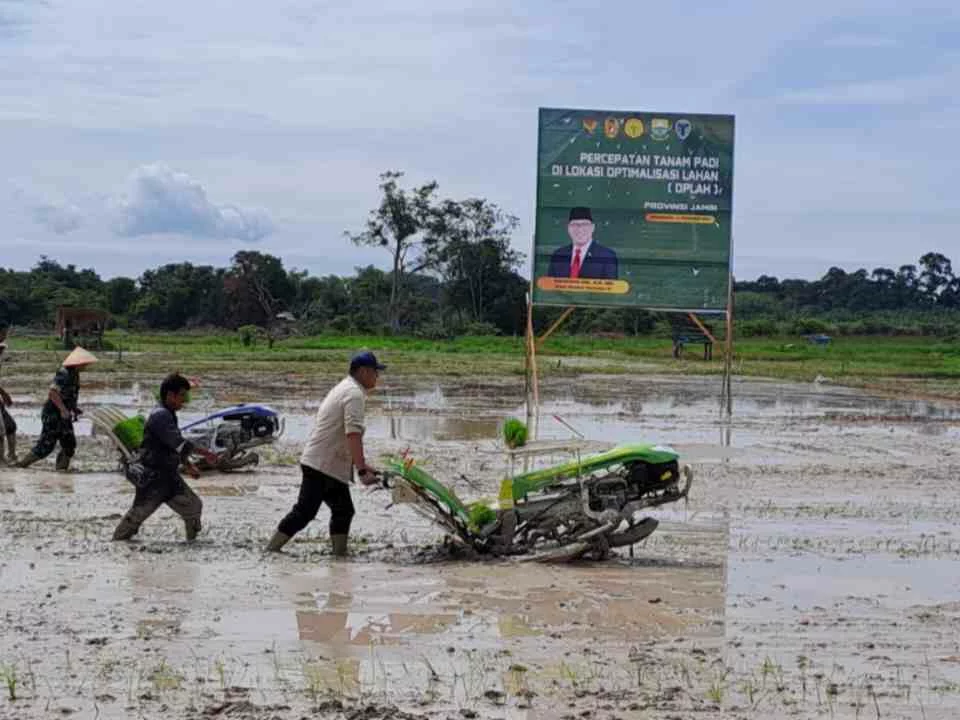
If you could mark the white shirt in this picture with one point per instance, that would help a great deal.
(340, 413)
(583, 253)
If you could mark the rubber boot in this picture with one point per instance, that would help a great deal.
(27, 460)
(63, 461)
(339, 545)
(277, 542)
(125, 530)
(12, 449)
(193, 528)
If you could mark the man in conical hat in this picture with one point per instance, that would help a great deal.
(60, 411)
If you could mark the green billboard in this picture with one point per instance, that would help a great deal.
(633, 209)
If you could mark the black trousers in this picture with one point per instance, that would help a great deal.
(7, 424)
(317, 488)
(55, 430)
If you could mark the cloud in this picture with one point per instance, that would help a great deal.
(161, 200)
(61, 219)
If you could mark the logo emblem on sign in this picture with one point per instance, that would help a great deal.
(590, 125)
(633, 128)
(659, 128)
(683, 128)
(611, 127)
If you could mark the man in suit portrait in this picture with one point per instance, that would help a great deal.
(583, 258)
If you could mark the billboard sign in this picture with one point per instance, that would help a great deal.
(634, 209)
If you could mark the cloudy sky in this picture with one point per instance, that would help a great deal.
(139, 133)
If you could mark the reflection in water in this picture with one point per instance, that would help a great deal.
(417, 427)
(377, 627)
(362, 605)
(726, 436)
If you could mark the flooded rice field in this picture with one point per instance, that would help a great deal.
(813, 572)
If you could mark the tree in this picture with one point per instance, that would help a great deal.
(180, 294)
(907, 286)
(936, 275)
(258, 289)
(121, 295)
(397, 225)
(950, 298)
(468, 245)
(370, 300)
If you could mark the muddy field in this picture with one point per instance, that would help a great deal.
(814, 572)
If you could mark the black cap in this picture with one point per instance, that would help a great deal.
(365, 359)
(581, 213)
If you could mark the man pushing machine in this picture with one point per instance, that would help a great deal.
(333, 450)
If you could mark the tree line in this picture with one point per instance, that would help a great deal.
(453, 271)
(913, 299)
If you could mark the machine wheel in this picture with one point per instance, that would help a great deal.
(634, 534)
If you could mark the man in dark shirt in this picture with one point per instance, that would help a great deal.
(60, 411)
(8, 426)
(161, 454)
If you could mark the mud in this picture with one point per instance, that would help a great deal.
(812, 574)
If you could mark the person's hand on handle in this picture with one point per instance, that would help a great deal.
(192, 470)
(368, 476)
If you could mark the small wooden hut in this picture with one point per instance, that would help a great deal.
(81, 326)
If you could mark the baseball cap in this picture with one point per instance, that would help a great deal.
(366, 359)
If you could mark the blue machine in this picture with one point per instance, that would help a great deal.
(233, 432)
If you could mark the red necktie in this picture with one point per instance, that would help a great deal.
(575, 268)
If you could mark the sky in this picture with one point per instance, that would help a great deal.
(137, 134)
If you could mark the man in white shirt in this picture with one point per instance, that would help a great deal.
(333, 450)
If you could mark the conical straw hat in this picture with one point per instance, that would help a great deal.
(79, 357)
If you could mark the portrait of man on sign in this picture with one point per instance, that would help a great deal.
(584, 257)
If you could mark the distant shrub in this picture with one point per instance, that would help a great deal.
(449, 330)
(757, 328)
(479, 328)
(248, 335)
(341, 324)
(812, 326)
(434, 330)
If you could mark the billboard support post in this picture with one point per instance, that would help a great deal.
(726, 395)
(556, 325)
(532, 389)
(703, 328)
(532, 374)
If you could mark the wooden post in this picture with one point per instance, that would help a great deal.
(527, 369)
(703, 328)
(535, 381)
(726, 401)
(559, 321)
